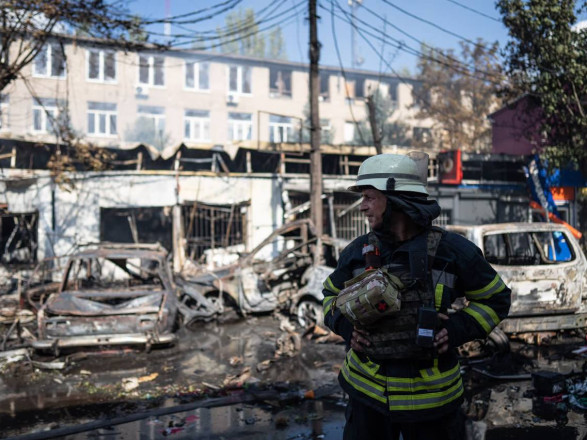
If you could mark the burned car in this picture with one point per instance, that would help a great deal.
(106, 295)
(544, 266)
(278, 274)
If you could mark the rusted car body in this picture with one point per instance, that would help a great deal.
(278, 274)
(108, 295)
(544, 266)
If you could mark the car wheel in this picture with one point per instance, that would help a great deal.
(499, 341)
(309, 312)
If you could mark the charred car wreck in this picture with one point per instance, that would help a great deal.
(546, 269)
(108, 295)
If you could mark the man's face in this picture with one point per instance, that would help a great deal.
(373, 206)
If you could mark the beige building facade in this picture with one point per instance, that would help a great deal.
(165, 98)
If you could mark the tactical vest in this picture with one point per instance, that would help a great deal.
(395, 337)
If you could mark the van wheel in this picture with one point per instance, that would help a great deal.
(309, 312)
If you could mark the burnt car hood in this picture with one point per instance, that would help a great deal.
(80, 304)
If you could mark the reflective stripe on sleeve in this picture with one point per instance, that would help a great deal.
(484, 315)
(327, 304)
(495, 286)
(330, 287)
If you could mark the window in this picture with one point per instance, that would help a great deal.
(326, 133)
(197, 75)
(197, 125)
(324, 87)
(102, 119)
(18, 237)
(151, 70)
(46, 115)
(392, 95)
(50, 62)
(152, 119)
(101, 65)
(355, 88)
(239, 79)
(527, 248)
(279, 82)
(421, 135)
(240, 126)
(281, 129)
(3, 112)
(349, 132)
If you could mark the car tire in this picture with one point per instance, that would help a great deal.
(309, 312)
(498, 340)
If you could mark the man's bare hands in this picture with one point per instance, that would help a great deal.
(441, 338)
(359, 339)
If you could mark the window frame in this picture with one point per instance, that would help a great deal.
(196, 75)
(45, 120)
(101, 66)
(151, 70)
(107, 114)
(235, 124)
(202, 121)
(241, 71)
(49, 48)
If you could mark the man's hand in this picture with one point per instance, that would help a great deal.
(441, 338)
(359, 339)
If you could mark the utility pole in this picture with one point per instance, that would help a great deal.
(373, 121)
(315, 155)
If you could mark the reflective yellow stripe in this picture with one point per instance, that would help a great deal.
(327, 304)
(495, 286)
(438, 296)
(329, 286)
(367, 368)
(433, 381)
(483, 314)
(426, 400)
(363, 385)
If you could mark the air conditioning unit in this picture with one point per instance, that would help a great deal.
(450, 167)
(232, 99)
(141, 91)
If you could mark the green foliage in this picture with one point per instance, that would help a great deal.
(458, 92)
(392, 132)
(546, 57)
(241, 36)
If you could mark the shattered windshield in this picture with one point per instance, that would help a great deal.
(107, 273)
(527, 248)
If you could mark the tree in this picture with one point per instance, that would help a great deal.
(546, 57)
(458, 93)
(241, 36)
(27, 25)
(391, 132)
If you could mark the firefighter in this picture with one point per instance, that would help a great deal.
(401, 372)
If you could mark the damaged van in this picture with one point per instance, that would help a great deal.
(108, 295)
(545, 268)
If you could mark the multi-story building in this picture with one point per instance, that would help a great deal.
(165, 98)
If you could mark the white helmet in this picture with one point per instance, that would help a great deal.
(394, 172)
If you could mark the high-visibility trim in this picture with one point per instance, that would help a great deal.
(427, 400)
(434, 381)
(363, 385)
(495, 286)
(329, 286)
(432, 378)
(484, 315)
(327, 304)
(438, 291)
(368, 368)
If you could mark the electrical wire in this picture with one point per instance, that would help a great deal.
(474, 10)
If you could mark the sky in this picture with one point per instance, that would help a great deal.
(387, 35)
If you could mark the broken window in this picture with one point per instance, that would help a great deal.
(136, 225)
(279, 82)
(527, 248)
(209, 226)
(18, 238)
